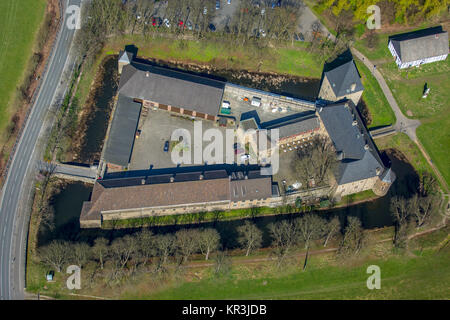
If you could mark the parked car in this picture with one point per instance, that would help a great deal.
(236, 145)
(166, 146)
(299, 37)
(212, 27)
(189, 25)
(156, 21)
(245, 157)
(167, 22)
(262, 33)
(180, 23)
(229, 1)
(217, 4)
(263, 11)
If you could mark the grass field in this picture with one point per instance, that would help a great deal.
(293, 60)
(409, 149)
(19, 22)
(421, 274)
(401, 278)
(379, 108)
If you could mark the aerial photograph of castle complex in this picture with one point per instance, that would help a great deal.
(224, 150)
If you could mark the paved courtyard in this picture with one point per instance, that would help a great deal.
(157, 128)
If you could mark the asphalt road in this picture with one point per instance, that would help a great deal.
(13, 226)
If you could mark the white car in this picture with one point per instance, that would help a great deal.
(205, 11)
(166, 23)
(245, 157)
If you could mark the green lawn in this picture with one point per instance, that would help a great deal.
(19, 22)
(403, 143)
(374, 98)
(423, 277)
(434, 111)
(285, 59)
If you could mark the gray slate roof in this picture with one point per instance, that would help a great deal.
(170, 87)
(292, 126)
(421, 44)
(357, 163)
(123, 129)
(125, 56)
(342, 77)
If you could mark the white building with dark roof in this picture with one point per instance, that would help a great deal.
(419, 47)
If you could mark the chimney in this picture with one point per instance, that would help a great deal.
(353, 86)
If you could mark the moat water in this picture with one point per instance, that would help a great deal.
(68, 202)
(373, 214)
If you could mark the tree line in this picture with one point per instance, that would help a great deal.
(145, 250)
(419, 210)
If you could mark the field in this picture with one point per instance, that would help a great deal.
(19, 22)
(423, 274)
(379, 108)
(290, 59)
(407, 86)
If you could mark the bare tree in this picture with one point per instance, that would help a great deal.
(122, 250)
(332, 227)
(222, 263)
(186, 243)
(284, 235)
(55, 254)
(309, 226)
(165, 246)
(208, 241)
(100, 250)
(401, 209)
(80, 253)
(146, 245)
(354, 238)
(250, 237)
(315, 160)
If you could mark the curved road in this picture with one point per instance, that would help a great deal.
(13, 221)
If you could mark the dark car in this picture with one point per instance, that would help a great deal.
(166, 146)
(156, 21)
(212, 27)
(299, 37)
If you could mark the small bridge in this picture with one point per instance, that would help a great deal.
(71, 171)
(383, 131)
